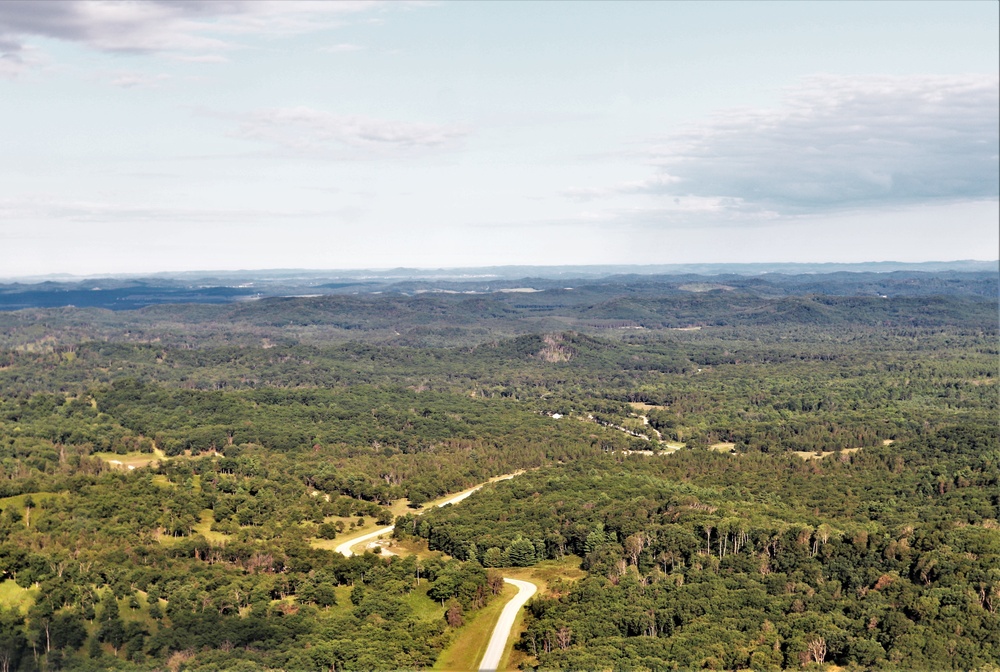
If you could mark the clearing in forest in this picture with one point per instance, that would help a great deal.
(133, 460)
(817, 455)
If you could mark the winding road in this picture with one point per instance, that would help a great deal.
(345, 548)
(525, 589)
(501, 633)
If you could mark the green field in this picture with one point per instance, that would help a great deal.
(17, 501)
(13, 596)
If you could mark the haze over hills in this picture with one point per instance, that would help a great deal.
(521, 271)
(127, 292)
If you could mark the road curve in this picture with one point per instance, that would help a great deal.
(345, 548)
(498, 641)
(525, 589)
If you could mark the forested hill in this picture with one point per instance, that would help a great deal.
(453, 317)
(714, 473)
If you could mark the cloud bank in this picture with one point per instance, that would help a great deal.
(840, 141)
(836, 143)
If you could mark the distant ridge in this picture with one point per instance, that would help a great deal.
(510, 272)
(535, 288)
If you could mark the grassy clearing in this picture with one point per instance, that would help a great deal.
(469, 643)
(639, 406)
(13, 596)
(343, 606)
(412, 546)
(162, 481)
(141, 614)
(724, 447)
(134, 460)
(424, 608)
(549, 575)
(401, 507)
(343, 594)
(324, 544)
(813, 455)
(17, 501)
(204, 528)
(166, 539)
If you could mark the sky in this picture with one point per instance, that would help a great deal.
(170, 136)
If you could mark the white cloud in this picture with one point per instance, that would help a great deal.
(310, 131)
(185, 29)
(847, 141)
(16, 57)
(836, 143)
(110, 26)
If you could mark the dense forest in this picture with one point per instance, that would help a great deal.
(887, 557)
(749, 474)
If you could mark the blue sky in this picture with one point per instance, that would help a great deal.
(151, 136)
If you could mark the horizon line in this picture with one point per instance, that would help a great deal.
(57, 277)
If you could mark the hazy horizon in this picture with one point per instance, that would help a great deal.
(736, 268)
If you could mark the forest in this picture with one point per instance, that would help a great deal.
(713, 472)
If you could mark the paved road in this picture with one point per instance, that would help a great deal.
(525, 589)
(345, 548)
(501, 633)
